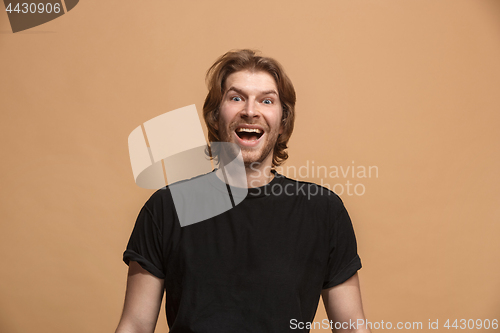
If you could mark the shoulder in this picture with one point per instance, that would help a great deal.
(160, 196)
(160, 205)
(316, 194)
(163, 196)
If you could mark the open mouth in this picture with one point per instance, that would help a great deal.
(249, 134)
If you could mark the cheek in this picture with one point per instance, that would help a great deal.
(225, 115)
(279, 122)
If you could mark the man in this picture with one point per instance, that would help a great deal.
(262, 265)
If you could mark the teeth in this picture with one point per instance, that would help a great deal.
(249, 130)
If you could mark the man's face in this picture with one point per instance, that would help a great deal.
(250, 115)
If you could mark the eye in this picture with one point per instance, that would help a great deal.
(236, 98)
(267, 101)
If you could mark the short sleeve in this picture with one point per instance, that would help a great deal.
(145, 244)
(343, 261)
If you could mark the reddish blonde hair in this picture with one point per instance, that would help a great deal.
(239, 60)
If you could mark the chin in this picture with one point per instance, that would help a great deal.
(253, 157)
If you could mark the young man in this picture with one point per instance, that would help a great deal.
(262, 265)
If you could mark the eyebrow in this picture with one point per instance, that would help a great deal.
(239, 91)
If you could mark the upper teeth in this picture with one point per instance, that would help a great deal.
(243, 129)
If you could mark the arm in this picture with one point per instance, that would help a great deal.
(142, 301)
(343, 303)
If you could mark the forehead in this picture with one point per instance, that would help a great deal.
(251, 80)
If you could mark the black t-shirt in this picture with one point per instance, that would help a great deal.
(253, 268)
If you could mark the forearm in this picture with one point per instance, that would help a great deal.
(142, 301)
(344, 308)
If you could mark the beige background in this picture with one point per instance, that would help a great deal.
(408, 86)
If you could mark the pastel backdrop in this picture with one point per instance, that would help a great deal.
(409, 88)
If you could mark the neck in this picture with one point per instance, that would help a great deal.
(258, 174)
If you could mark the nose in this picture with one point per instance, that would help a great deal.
(251, 109)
